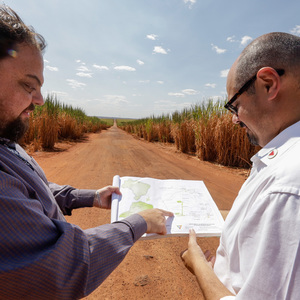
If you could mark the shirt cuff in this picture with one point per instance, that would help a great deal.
(85, 198)
(137, 225)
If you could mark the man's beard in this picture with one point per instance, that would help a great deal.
(15, 129)
(252, 138)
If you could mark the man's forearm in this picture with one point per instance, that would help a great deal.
(212, 288)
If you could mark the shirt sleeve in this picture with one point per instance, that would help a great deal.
(66, 196)
(269, 247)
(69, 198)
(44, 258)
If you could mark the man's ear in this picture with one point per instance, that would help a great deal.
(270, 81)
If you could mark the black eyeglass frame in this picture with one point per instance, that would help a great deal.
(243, 89)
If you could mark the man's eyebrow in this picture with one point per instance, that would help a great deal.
(34, 77)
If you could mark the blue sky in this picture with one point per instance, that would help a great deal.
(138, 58)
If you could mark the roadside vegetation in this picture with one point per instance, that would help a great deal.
(54, 122)
(205, 130)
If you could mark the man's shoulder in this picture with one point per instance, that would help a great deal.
(287, 169)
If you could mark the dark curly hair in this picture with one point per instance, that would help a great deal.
(13, 31)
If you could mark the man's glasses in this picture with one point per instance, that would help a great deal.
(243, 89)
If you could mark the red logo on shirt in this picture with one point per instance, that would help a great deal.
(272, 154)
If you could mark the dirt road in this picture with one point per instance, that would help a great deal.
(152, 269)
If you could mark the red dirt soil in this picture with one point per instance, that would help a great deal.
(152, 269)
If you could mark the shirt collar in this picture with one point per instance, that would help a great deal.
(276, 147)
(8, 143)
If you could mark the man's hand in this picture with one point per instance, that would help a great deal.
(103, 196)
(201, 265)
(155, 219)
(194, 254)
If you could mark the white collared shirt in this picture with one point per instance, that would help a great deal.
(259, 252)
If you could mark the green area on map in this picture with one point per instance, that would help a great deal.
(138, 188)
(135, 208)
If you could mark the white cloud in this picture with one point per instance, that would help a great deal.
(59, 93)
(100, 67)
(217, 49)
(224, 73)
(159, 49)
(82, 74)
(83, 68)
(231, 39)
(53, 69)
(190, 92)
(190, 2)
(144, 81)
(152, 37)
(160, 82)
(124, 68)
(140, 62)
(212, 85)
(296, 30)
(245, 40)
(176, 94)
(184, 92)
(75, 84)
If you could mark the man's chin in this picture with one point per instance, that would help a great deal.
(252, 139)
(16, 129)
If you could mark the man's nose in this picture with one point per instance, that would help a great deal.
(38, 99)
(235, 119)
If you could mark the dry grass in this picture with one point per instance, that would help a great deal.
(205, 130)
(54, 122)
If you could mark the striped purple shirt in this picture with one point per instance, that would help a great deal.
(41, 255)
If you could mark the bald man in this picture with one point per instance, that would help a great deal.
(258, 256)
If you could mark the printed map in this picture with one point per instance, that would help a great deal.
(189, 200)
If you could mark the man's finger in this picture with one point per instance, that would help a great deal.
(167, 213)
(207, 254)
(212, 261)
(115, 189)
(181, 254)
(192, 237)
(164, 231)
